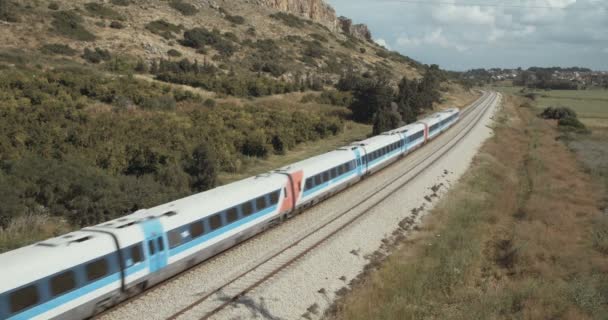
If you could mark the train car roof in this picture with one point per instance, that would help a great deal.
(206, 203)
(434, 118)
(408, 129)
(322, 162)
(45, 258)
(377, 142)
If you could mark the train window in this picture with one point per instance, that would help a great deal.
(334, 173)
(63, 283)
(341, 170)
(325, 176)
(24, 298)
(175, 239)
(151, 247)
(232, 215)
(161, 244)
(215, 222)
(136, 255)
(309, 184)
(274, 197)
(97, 269)
(261, 203)
(197, 228)
(318, 180)
(247, 208)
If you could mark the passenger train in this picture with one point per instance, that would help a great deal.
(82, 273)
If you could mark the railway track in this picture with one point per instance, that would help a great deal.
(267, 266)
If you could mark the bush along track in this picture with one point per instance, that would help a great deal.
(519, 237)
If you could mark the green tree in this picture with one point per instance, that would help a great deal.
(385, 120)
(406, 100)
(202, 168)
(370, 97)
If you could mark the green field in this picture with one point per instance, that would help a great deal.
(590, 105)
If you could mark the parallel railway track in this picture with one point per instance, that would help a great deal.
(264, 268)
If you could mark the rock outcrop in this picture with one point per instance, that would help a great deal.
(359, 31)
(321, 12)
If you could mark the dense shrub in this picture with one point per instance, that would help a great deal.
(335, 98)
(69, 24)
(57, 48)
(314, 49)
(97, 55)
(8, 11)
(235, 19)
(53, 6)
(116, 25)
(289, 19)
(163, 28)
(557, 113)
(184, 8)
(318, 37)
(198, 38)
(58, 158)
(386, 120)
(174, 53)
(383, 54)
(101, 11)
(122, 3)
(572, 123)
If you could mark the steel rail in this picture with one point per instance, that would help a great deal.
(489, 100)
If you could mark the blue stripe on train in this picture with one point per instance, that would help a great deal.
(115, 278)
(384, 157)
(78, 293)
(326, 184)
(181, 248)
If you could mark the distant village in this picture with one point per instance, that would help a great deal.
(577, 77)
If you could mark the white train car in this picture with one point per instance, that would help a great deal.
(414, 135)
(200, 226)
(319, 177)
(67, 277)
(380, 151)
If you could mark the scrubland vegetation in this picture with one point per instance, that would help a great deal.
(521, 236)
(95, 124)
(86, 147)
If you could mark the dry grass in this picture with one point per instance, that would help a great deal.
(30, 228)
(520, 237)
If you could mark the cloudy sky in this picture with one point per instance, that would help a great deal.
(465, 34)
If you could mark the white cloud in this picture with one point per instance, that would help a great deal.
(383, 43)
(473, 15)
(433, 38)
(548, 32)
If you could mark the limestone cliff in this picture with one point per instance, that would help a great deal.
(359, 31)
(321, 12)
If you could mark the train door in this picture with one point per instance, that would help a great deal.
(155, 244)
(360, 163)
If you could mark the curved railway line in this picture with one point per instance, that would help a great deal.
(218, 297)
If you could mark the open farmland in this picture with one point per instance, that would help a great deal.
(590, 105)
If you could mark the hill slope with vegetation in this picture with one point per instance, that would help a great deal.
(107, 107)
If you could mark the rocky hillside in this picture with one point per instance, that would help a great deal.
(289, 40)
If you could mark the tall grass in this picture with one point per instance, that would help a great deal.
(31, 228)
(514, 240)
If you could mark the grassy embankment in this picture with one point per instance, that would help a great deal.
(521, 236)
